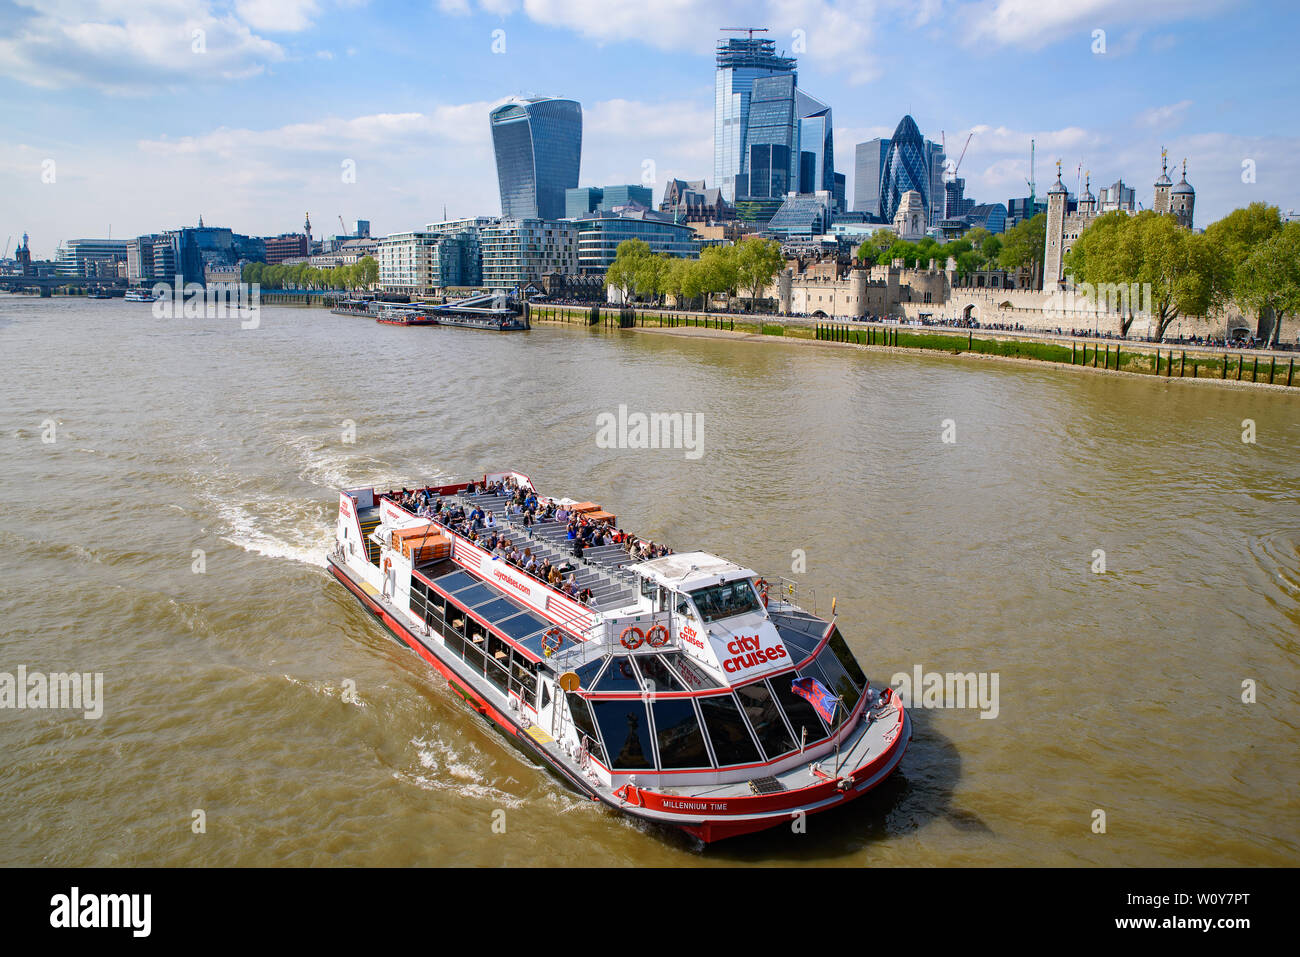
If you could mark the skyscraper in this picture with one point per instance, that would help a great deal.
(907, 166)
(869, 163)
(740, 62)
(538, 145)
(772, 138)
(816, 144)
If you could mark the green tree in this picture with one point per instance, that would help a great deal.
(1269, 279)
(367, 271)
(757, 263)
(718, 270)
(1152, 250)
(1022, 248)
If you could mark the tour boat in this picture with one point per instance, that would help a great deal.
(686, 691)
(495, 312)
(139, 295)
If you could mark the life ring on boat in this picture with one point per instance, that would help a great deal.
(656, 636)
(388, 564)
(548, 647)
(635, 642)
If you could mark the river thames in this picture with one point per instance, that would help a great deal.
(170, 487)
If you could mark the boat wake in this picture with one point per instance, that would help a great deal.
(446, 769)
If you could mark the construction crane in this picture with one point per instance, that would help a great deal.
(343, 230)
(7, 242)
(750, 30)
(963, 153)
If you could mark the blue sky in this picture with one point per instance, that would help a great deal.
(145, 127)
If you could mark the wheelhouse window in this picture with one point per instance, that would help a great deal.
(678, 734)
(619, 676)
(726, 600)
(728, 733)
(655, 669)
(765, 716)
(625, 726)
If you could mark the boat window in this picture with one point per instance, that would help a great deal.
(677, 731)
(803, 636)
(475, 595)
(546, 696)
(456, 619)
(619, 676)
(475, 645)
(723, 601)
(626, 729)
(732, 742)
(580, 711)
(765, 716)
(648, 587)
(523, 677)
(587, 673)
(653, 668)
(845, 658)
(450, 583)
(498, 661)
(837, 680)
(499, 610)
(521, 626)
(798, 709)
(693, 676)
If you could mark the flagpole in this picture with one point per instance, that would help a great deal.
(834, 711)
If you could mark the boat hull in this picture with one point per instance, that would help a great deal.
(740, 815)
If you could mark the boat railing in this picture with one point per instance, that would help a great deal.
(788, 590)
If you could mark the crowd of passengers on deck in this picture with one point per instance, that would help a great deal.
(481, 526)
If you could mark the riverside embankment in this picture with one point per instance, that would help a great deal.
(1227, 367)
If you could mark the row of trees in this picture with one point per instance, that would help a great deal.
(749, 266)
(1250, 257)
(1020, 247)
(359, 275)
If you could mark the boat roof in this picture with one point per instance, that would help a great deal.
(686, 571)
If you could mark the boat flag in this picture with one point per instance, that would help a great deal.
(816, 694)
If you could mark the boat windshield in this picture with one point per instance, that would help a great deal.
(722, 601)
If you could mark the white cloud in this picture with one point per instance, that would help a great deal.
(285, 16)
(1034, 24)
(1161, 116)
(131, 48)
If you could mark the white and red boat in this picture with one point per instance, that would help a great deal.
(685, 690)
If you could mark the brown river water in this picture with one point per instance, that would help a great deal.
(225, 691)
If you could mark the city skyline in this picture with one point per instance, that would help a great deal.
(285, 96)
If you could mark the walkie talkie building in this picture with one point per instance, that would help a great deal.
(538, 146)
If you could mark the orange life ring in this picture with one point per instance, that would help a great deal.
(388, 563)
(548, 648)
(635, 642)
(657, 636)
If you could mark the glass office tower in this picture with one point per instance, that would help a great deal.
(538, 145)
(816, 144)
(907, 166)
(740, 62)
(772, 139)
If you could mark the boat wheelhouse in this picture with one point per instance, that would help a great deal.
(686, 690)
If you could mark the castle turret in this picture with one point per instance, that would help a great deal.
(1163, 185)
(1054, 249)
(1183, 200)
(1088, 202)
